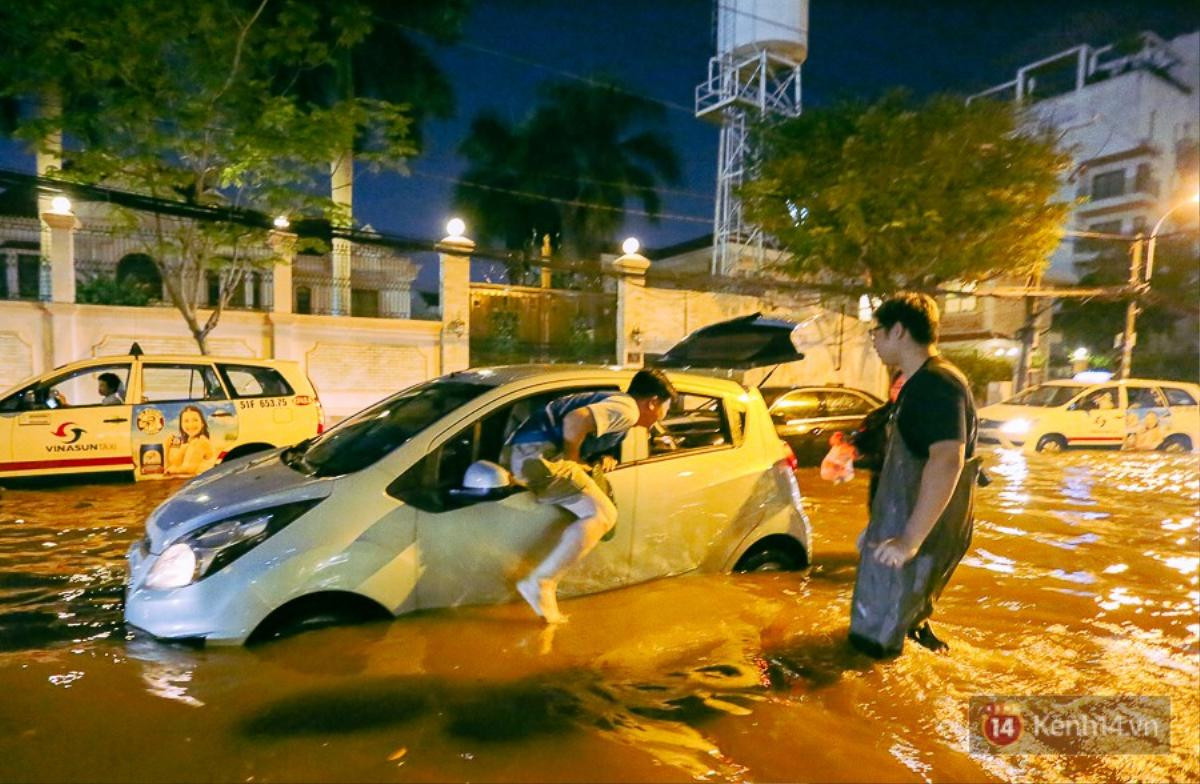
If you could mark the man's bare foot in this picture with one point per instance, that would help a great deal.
(542, 596)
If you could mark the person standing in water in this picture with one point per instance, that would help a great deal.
(921, 517)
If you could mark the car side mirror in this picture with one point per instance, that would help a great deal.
(485, 481)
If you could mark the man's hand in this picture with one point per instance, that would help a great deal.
(895, 552)
(607, 463)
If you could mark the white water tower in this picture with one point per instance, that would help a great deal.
(755, 73)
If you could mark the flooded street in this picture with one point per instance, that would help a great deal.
(1082, 579)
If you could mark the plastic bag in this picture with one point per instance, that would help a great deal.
(838, 465)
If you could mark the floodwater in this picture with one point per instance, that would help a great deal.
(1082, 579)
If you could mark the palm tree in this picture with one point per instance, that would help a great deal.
(568, 170)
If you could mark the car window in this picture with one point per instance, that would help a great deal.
(1179, 397)
(1103, 399)
(1145, 397)
(796, 405)
(255, 381)
(428, 484)
(1049, 396)
(75, 389)
(692, 422)
(364, 438)
(180, 381)
(845, 404)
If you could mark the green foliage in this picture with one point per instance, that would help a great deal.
(107, 290)
(870, 198)
(200, 101)
(581, 156)
(981, 369)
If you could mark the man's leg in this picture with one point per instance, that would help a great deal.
(597, 514)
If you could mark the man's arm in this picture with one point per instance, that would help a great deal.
(938, 480)
(577, 426)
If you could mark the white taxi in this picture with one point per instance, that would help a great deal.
(154, 416)
(1131, 414)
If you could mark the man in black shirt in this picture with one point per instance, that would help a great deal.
(920, 523)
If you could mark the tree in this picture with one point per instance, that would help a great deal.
(869, 198)
(568, 170)
(183, 101)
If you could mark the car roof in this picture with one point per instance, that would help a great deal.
(176, 358)
(1066, 382)
(501, 375)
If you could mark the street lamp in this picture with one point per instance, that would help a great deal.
(1154, 234)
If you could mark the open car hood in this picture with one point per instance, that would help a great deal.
(738, 344)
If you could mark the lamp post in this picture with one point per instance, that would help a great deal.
(1138, 283)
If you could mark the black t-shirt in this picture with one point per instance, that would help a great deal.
(936, 405)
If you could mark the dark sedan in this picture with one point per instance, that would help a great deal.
(805, 417)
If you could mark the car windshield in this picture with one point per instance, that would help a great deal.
(1046, 396)
(370, 434)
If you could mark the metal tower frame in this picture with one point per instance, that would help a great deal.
(741, 88)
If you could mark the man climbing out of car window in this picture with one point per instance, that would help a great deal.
(553, 453)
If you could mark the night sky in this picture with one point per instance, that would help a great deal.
(660, 49)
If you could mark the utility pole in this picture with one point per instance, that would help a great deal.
(1129, 337)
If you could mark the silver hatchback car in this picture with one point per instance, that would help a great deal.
(372, 519)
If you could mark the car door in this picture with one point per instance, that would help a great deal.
(183, 422)
(472, 550)
(266, 406)
(63, 425)
(1097, 419)
(691, 486)
(1148, 418)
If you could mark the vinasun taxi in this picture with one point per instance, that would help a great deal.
(1131, 414)
(152, 416)
(406, 505)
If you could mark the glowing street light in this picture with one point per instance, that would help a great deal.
(630, 246)
(1079, 354)
(281, 222)
(61, 205)
(455, 227)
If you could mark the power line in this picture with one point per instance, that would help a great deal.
(568, 202)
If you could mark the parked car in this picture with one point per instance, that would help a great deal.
(1135, 413)
(373, 518)
(152, 416)
(806, 417)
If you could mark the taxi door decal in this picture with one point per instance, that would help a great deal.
(1146, 428)
(181, 439)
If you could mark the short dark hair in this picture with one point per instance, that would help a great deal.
(113, 381)
(917, 312)
(651, 383)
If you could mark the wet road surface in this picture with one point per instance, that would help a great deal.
(1082, 579)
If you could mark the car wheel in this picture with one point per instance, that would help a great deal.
(769, 559)
(1051, 443)
(317, 611)
(1176, 443)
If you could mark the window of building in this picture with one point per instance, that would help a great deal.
(364, 302)
(1108, 184)
(29, 271)
(1144, 181)
(304, 300)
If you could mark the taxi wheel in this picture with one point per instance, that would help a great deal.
(1176, 443)
(1051, 443)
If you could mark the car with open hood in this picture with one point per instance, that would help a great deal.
(405, 506)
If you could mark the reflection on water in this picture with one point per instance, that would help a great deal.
(1083, 579)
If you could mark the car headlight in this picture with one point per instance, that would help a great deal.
(208, 549)
(1016, 427)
